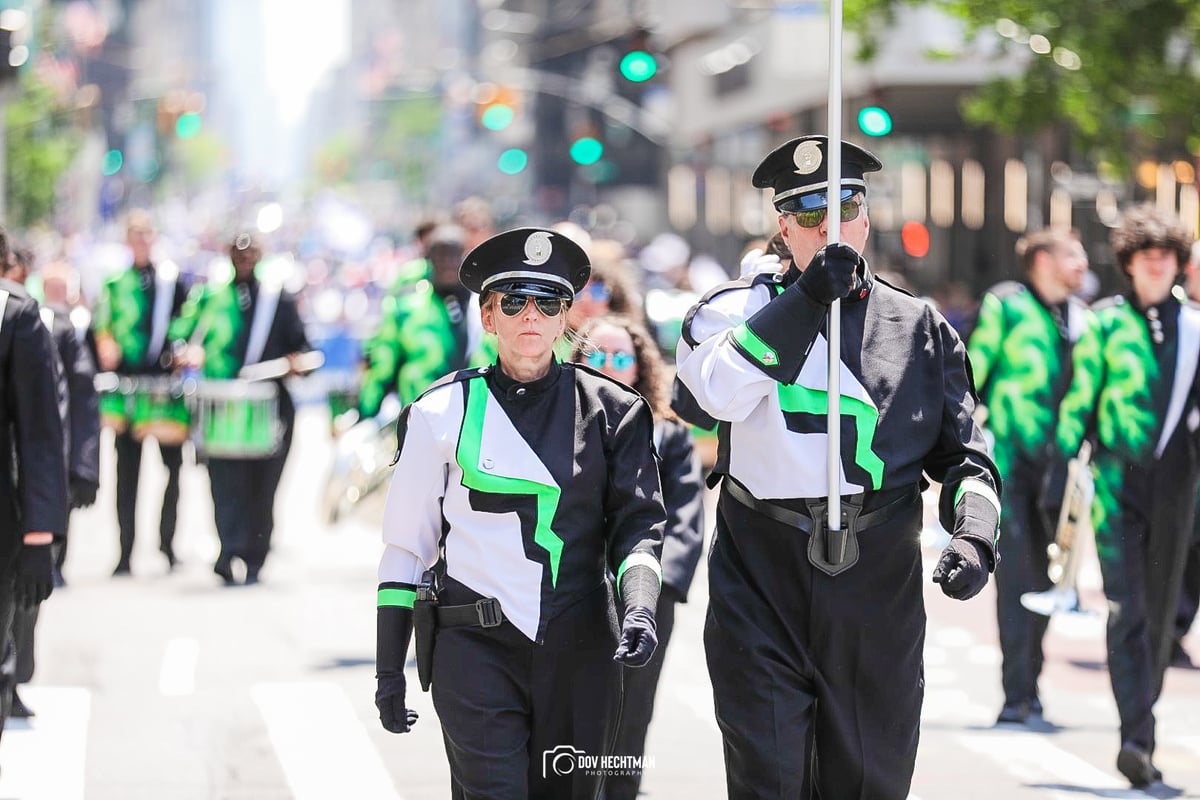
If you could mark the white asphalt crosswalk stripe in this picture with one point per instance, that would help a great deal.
(177, 677)
(1036, 762)
(320, 742)
(44, 757)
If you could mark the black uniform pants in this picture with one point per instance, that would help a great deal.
(8, 649)
(818, 680)
(243, 492)
(129, 466)
(1025, 532)
(1142, 550)
(518, 716)
(637, 704)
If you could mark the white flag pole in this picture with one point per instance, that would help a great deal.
(833, 209)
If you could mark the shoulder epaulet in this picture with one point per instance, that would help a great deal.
(453, 377)
(739, 283)
(1006, 289)
(626, 388)
(893, 286)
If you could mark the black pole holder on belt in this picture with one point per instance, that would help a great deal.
(833, 552)
(425, 625)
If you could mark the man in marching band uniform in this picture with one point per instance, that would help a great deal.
(243, 321)
(1134, 391)
(132, 314)
(815, 650)
(1021, 356)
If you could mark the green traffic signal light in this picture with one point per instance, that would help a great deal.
(512, 161)
(586, 150)
(113, 160)
(188, 125)
(497, 117)
(638, 66)
(874, 121)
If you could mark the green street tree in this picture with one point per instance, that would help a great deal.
(1124, 76)
(41, 141)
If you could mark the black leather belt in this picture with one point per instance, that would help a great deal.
(798, 519)
(483, 613)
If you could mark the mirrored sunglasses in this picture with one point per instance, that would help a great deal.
(514, 304)
(619, 360)
(814, 217)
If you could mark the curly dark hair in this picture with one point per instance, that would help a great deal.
(653, 380)
(1144, 227)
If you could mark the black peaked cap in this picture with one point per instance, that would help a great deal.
(798, 172)
(532, 261)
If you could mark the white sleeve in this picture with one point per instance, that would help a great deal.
(412, 517)
(724, 382)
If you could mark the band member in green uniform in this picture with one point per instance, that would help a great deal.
(33, 478)
(1134, 392)
(1021, 356)
(814, 641)
(244, 321)
(428, 327)
(132, 314)
(517, 488)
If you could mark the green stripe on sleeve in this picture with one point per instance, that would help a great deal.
(757, 349)
(397, 597)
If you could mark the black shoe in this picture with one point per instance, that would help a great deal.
(19, 709)
(122, 569)
(225, 570)
(1180, 657)
(1134, 763)
(1035, 707)
(1013, 713)
(251, 576)
(171, 560)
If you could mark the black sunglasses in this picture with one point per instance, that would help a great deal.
(513, 304)
(814, 217)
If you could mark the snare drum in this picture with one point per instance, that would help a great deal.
(160, 411)
(114, 409)
(237, 419)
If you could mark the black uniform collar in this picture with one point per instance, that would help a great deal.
(1057, 311)
(514, 389)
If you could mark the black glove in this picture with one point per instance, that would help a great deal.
(82, 492)
(963, 569)
(832, 273)
(389, 698)
(638, 638)
(33, 575)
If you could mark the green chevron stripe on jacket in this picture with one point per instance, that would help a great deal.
(213, 310)
(1019, 362)
(120, 310)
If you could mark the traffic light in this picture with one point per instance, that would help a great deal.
(496, 106)
(875, 121)
(586, 150)
(112, 162)
(512, 161)
(188, 125)
(914, 237)
(638, 66)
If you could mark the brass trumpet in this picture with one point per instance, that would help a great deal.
(1063, 552)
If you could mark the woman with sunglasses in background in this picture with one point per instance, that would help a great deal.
(518, 488)
(622, 349)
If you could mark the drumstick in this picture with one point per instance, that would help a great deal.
(279, 367)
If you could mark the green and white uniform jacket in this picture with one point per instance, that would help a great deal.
(528, 492)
